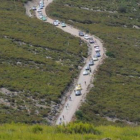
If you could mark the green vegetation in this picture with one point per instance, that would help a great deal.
(37, 64)
(42, 132)
(116, 91)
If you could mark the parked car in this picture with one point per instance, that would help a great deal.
(34, 8)
(81, 33)
(97, 49)
(98, 54)
(91, 62)
(44, 18)
(55, 23)
(85, 72)
(86, 37)
(95, 45)
(77, 92)
(78, 87)
(38, 10)
(91, 40)
(95, 58)
(63, 24)
(40, 16)
(87, 67)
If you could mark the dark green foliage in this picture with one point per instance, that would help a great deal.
(122, 9)
(110, 54)
(79, 114)
(116, 89)
(37, 129)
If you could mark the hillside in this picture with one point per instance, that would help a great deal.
(80, 132)
(37, 64)
(116, 91)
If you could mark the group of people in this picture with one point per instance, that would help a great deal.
(63, 117)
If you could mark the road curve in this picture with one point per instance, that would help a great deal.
(71, 106)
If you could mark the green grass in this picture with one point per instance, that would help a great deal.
(37, 60)
(116, 89)
(41, 132)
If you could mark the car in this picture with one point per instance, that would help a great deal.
(78, 87)
(44, 18)
(85, 72)
(81, 33)
(34, 8)
(95, 45)
(97, 49)
(41, 7)
(63, 24)
(98, 54)
(41, 16)
(57, 21)
(87, 67)
(91, 40)
(95, 58)
(91, 62)
(86, 37)
(77, 92)
(38, 10)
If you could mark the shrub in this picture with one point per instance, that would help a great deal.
(81, 128)
(122, 9)
(110, 54)
(79, 114)
(37, 129)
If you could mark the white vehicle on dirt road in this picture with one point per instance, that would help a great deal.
(95, 58)
(85, 72)
(86, 37)
(77, 92)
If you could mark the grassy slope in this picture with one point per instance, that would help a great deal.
(116, 92)
(22, 132)
(36, 60)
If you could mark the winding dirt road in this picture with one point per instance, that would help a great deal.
(71, 106)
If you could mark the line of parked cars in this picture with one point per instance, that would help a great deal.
(87, 69)
(57, 23)
(87, 37)
(39, 10)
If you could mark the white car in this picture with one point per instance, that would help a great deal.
(95, 45)
(77, 92)
(86, 37)
(85, 72)
(97, 49)
(38, 10)
(41, 16)
(95, 58)
(55, 23)
(87, 67)
(34, 8)
(91, 62)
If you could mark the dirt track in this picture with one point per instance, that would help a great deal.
(72, 105)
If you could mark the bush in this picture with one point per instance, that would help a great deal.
(37, 129)
(110, 54)
(79, 114)
(122, 9)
